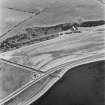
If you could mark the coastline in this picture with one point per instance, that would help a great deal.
(82, 85)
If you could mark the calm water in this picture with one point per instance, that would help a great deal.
(82, 85)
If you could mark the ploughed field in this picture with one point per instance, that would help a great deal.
(48, 61)
(52, 43)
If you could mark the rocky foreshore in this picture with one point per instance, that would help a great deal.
(52, 52)
(38, 34)
(46, 63)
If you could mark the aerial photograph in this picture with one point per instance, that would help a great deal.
(52, 52)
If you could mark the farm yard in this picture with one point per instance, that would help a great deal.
(52, 52)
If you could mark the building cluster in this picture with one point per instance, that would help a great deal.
(35, 34)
